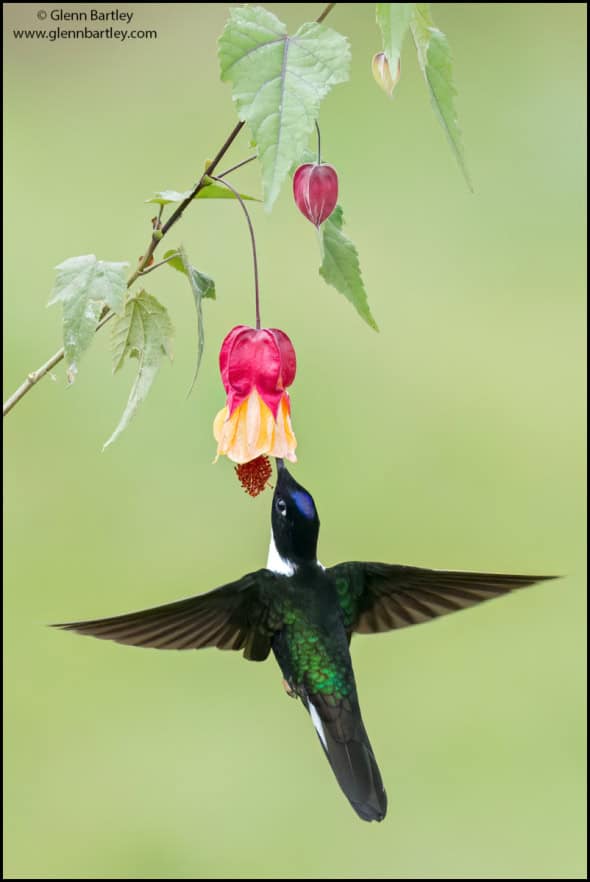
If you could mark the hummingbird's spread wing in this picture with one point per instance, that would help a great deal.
(240, 615)
(378, 597)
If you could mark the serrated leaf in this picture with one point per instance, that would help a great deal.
(84, 285)
(80, 318)
(278, 83)
(434, 56)
(145, 332)
(210, 191)
(340, 265)
(394, 20)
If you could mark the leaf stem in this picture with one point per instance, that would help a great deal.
(156, 265)
(253, 240)
(325, 12)
(32, 378)
(238, 165)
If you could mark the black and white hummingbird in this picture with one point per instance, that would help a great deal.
(306, 614)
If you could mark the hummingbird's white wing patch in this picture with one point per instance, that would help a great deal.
(315, 718)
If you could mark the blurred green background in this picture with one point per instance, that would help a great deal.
(452, 439)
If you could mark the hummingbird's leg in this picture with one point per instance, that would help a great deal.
(289, 689)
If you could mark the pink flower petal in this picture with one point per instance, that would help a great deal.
(256, 359)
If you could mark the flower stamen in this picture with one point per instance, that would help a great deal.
(254, 475)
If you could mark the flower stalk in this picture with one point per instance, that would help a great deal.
(253, 241)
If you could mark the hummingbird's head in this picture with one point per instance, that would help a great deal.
(294, 519)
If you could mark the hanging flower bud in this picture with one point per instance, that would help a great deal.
(382, 73)
(315, 188)
(256, 368)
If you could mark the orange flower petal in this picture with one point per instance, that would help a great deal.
(251, 431)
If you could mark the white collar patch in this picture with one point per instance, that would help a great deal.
(276, 563)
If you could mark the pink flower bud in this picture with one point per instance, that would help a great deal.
(315, 188)
(382, 73)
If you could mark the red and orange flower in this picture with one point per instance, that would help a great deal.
(257, 366)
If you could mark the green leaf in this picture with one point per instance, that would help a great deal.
(205, 284)
(145, 332)
(199, 284)
(394, 20)
(218, 191)
(340, 265)
(278, 83)
(434, 56)
(166, 197)
(210, 191)
(85, 285)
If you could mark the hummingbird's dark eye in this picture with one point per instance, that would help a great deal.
(281, 506)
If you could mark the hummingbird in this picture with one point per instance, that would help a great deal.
(306, 615)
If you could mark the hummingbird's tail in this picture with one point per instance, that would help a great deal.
(344, 739)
